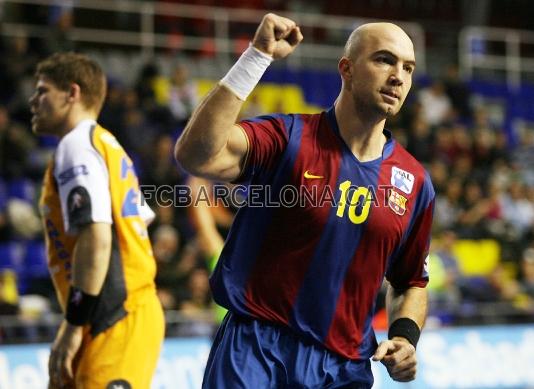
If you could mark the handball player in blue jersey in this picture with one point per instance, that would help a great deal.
(300, 281)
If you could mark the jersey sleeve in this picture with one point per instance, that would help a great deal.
(146, 213)
(409, 267)
(83, 184)
(267, 139)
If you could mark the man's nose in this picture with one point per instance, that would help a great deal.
(395, 78)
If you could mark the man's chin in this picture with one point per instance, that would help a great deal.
(36, 130)
(39, 130)
(391, 111)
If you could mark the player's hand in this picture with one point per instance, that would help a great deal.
(277, 36)
(398, 355)
(66, 346)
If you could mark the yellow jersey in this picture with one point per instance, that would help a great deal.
(92, 179)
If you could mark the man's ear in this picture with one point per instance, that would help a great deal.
(345, 69)
(75, 93)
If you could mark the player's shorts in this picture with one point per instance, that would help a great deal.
(248, 353)
(125, 354)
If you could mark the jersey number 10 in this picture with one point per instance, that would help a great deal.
(360, 201)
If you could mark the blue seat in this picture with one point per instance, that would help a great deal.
(21, 188)
(12, 256)
(35, 264)
(3, 194)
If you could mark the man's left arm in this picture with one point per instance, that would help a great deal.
(407, 310)
(407, 299)
(91, 258)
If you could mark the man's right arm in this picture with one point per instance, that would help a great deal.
(212, 145)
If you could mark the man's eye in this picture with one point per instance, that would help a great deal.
(387, 60)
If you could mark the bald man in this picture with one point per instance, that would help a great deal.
(300, 278)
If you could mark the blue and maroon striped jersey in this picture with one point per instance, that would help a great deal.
(317, 265)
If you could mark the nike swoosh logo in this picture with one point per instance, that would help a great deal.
(308, 175)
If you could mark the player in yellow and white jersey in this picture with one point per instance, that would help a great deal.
(99, 254)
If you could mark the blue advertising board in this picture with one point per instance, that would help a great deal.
(474, 357)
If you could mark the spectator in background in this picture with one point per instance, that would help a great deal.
(166, 245)
(420, 140)
(462, 167)
(482, 121)
(148, 88)
(443, 145)
(16, 144)
(16, 67)
(436, 106)
(144, 86)
(196, 302)
(484, 151)
(517, 210)
(162, 169)
(113, 110)
(440, 175)
(448, 204)
(444, 285)
(473, 212)
(60, 20)
(182, 95)
(458, 93)
(495, 223)
(9, 296)
(527, 275)
(523, 156)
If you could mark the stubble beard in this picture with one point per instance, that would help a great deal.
(368, 108)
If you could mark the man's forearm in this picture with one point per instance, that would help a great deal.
(91, 258)
(411, 303)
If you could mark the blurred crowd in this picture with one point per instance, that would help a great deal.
(484, 186)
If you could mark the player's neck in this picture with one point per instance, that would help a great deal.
(74, 118)
(365, 138)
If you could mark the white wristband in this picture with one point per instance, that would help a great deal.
(246, 72)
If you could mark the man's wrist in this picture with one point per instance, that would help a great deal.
(71, 328)
(243, 77)
(405, 329)
(80, 307)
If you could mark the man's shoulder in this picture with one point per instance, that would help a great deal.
(286, 118)
(73, 145)
(101, 138)
(405, 158)
(406, 166)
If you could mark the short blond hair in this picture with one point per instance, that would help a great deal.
(64, 69)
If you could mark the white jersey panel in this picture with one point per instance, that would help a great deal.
(146, 213)
(83, 180)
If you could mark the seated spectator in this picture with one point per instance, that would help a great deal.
(196, 299)
(16, 147)
(182, 95)
(458, 93)
(517, 210)
(165, 246)
(440, 175)
(447, 208)
(445, 280)
(527, 277)
(473, 212)
(420, 140)
(436, 106)
(523, 156)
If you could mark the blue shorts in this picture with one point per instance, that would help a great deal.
(249, 353)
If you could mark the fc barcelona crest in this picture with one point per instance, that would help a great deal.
(397, 202)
